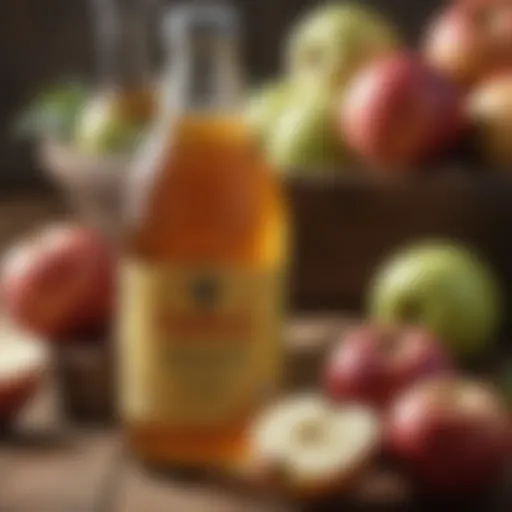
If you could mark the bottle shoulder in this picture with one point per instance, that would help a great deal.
(203, 188)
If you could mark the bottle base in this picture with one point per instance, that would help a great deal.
(186, 452)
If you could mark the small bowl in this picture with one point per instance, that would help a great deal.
(93, 185)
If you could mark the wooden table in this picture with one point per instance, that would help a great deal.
(48, 465)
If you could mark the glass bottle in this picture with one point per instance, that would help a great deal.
(203, 277)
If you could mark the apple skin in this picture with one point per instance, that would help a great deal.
(59, 282)
(305, 137)
(331, 43)
(490, 110)
(266, 106)
(469, 40)
(453, 434)
(444, 287)
(113, 121)
(371, 363)
(398, 112)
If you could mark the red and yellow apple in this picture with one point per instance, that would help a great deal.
(469, 40)
(371, 363)
(398, 111)
(453, 434)
(59, 281)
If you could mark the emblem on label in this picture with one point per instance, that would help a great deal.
(206, 291)
(199, 347)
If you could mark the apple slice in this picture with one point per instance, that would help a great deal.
(310, 447)
(23, 361)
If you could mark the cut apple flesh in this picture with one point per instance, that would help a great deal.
(19, 355)
(22, 363)
(309, 443)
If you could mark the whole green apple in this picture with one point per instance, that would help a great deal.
(265, 107)
(444, 287)
(305, 137)
(330, 44)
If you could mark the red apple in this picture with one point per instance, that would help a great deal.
(468, 40)
(59, 281)
(453, 434)
(398, 111)
(23, 362)
(372, 363)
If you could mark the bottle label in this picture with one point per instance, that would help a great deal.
(198, 347)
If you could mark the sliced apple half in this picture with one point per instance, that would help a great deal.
(23, 361)
(310, 447)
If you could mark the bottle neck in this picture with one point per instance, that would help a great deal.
(205, 75)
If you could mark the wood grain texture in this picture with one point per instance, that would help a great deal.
(56, 474)
(46, 466)
(139, 490)
(346, 226)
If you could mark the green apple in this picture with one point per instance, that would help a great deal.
(444, 287)
(53, 112)
(305, 138)
(105, 127)
(330, 44)
(265, 107)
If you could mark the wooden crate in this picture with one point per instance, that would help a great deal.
(345, 226)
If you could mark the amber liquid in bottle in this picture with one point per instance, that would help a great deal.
(205, 258)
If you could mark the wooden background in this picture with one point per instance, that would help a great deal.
(41, 40)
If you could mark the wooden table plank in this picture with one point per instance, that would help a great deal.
(48, 466)
(56, 474)
(307, 341)
(139, 490)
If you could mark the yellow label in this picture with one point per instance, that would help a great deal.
(198, 347)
